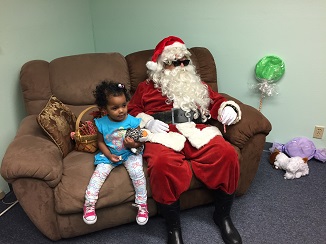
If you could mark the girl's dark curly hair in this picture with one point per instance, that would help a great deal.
(106, 89)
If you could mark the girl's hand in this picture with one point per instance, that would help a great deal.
(114, 158)
(129, 142)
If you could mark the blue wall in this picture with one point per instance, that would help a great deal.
(239, 34)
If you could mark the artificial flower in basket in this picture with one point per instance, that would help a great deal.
(85, 134)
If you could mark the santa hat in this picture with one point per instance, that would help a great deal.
(166, 43)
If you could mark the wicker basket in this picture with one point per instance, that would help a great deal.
(85, 143)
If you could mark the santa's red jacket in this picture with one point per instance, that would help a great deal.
(212, 159)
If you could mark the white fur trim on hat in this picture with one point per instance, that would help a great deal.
(176, 44)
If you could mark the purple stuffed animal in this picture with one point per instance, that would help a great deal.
(301, 147)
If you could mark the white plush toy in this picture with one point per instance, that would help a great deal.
(294, 167)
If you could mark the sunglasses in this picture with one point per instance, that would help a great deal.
(179, 62)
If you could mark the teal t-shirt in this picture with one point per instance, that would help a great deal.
(114, 134)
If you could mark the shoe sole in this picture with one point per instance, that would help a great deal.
(90, 222)
(141, 223)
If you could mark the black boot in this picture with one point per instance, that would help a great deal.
(171, 214)
(222, 219)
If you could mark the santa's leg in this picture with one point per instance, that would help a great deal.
(223, 203)
(216, 165)
(170, 176)
(171, 214)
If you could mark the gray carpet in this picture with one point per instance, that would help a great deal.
(273, 211)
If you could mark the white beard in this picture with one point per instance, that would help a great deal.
(183, 87)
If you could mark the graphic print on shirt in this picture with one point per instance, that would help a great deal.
(116, 138)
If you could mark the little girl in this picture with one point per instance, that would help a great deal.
(115, 149)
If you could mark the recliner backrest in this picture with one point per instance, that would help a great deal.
(71, 79)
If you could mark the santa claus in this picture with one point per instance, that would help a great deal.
(174, 104)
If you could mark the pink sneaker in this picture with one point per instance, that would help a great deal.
(89, 216)
(142, 216)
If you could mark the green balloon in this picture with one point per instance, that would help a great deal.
(270, 69)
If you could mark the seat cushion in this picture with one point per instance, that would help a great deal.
(117, 189)
(77, 170)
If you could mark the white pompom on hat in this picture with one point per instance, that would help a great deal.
(170, 41)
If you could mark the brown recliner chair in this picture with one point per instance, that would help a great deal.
(50, 185)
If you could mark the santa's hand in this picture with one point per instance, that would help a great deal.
(228, 115)
(157, 126)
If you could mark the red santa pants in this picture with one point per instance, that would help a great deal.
(215, 164)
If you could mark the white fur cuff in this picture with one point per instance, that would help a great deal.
(172, 140)
(144, 119)
(197, 137)
(224, 104)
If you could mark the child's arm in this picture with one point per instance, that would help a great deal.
(105, 150)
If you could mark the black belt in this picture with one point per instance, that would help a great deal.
(176, 115)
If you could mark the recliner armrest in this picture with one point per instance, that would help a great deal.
(252, 122)
(32, 155)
